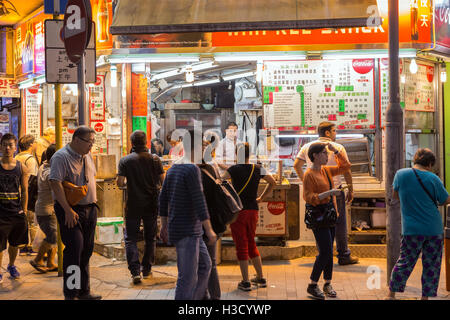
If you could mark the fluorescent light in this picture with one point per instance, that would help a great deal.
(178, 71)
(113, 76)
(167, 74)
(409, 53)
(259, 56)
(32, 82)
(239, 75)
(198, 83)
(443, 76)
(151, 58)
(138, 67)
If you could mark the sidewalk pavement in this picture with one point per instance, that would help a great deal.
(287, 280)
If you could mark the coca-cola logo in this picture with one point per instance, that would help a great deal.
(98, 127)
(99, 81)
(33, 89)
(276, 208)
(363, 66)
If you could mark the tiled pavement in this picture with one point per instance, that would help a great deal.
(287, 280)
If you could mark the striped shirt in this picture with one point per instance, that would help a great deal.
(183, 202)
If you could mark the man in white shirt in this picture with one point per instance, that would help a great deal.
(226, 148)
(327, 134)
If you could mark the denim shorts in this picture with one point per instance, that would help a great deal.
(48, 225)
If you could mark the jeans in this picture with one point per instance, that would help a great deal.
(79, 245)
(194, 267)
(341, 228)
(132, 226)
(324, 260)
(213, 290)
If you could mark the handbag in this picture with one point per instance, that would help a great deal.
(426, 190)
(227, 200)
(74, 193)
(322, 215)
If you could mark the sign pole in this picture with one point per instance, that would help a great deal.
(82, 92)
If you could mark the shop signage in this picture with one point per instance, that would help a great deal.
(101, 143)
(97, 99)
(30, 47)
(271, 218)
(417, 92)
(32, 111)
(77, 28)
(301, 94)
(139, 95)
(102, 16)
(442, 21)
(9, 88)
(59, 68)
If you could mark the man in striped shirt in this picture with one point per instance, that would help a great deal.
(183, 211)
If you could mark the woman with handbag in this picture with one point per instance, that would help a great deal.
(420, 192)
(245, 179)
(321, 213)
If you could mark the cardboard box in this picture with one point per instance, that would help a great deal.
(378, 219)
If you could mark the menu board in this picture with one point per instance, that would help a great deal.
(32, 111)
(384, 89)
(101, 144)
(139, 95)
(339, 91)
(418, 91)
(97, 99)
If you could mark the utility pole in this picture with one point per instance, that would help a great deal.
(394, 141)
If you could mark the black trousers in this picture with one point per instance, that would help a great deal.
(324, 260)
(79, 245)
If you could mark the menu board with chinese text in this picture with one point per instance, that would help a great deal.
(101, 143)
(32, 111)
(97, 99)
(339, 91)
(418, 90)
(139, 95)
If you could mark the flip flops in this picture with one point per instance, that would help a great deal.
(38, 267)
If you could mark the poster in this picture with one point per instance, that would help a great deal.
(9, 88)
(271, 218)
(139, 95)
(341, 92)
(32, 111)
(97, 100)
(286, 108)
(102, 16)
(418, 90)
(101, 144)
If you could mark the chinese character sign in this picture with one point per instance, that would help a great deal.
(32, 111)
(9, 88)
(97, 99)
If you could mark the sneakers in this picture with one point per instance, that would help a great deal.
(245, 286)
(146, 274)
(347, 260)
(13, 272)
(315, 292)
(262, 283)
(136, 279)
(329, 291)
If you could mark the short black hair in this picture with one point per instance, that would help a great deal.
(50, 152)
(8, 136)
(82, 131)
(424, 157)
(324, 127)
(158, 141)
(315, 148)
(231, 124)
(138, 138)
(26, 141)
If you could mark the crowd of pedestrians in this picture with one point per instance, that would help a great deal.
(42, 188)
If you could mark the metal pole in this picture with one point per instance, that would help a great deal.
(82, 120)
(394, 141)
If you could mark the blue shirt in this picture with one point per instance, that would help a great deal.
(183, 202)
(419, 214)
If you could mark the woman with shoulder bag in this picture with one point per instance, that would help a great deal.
(245, 179)
(420, 192)
(321, 213)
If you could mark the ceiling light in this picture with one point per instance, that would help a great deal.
(151, 58)
(408, 53)
(413, 68)
(239, 75)
(260, 56)
(443, 75)
(189, 74)
(113, 76)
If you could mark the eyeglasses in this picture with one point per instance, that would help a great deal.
(87, 141)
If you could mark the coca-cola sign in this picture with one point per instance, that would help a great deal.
(276, 207)
(363, 66)
(442, 23)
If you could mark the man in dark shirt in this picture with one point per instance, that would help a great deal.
(144, 174)
(183, 212)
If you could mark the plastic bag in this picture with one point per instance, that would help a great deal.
(38, 238)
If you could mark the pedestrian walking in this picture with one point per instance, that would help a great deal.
(13, 203)
(420, 192)
(319, 194)
(327, 134)
(72, 170)
(45, 215)
(144, 176)
(183, 211)
(27, 148)
(245, 179)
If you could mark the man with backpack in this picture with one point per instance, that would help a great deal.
(144, 175)
(26, 156)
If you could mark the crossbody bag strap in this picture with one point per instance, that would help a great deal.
(423, 186)
(249, 178)
(209, 175)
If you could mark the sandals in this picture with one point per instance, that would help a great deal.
(38, 267)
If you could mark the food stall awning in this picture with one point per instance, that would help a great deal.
(176, 16)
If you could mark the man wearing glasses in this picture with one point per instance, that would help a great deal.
(74, 163)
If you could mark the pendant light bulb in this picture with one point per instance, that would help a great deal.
(413, 68)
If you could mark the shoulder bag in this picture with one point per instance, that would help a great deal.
(322, 215)
(426, 190)
(74, 194)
